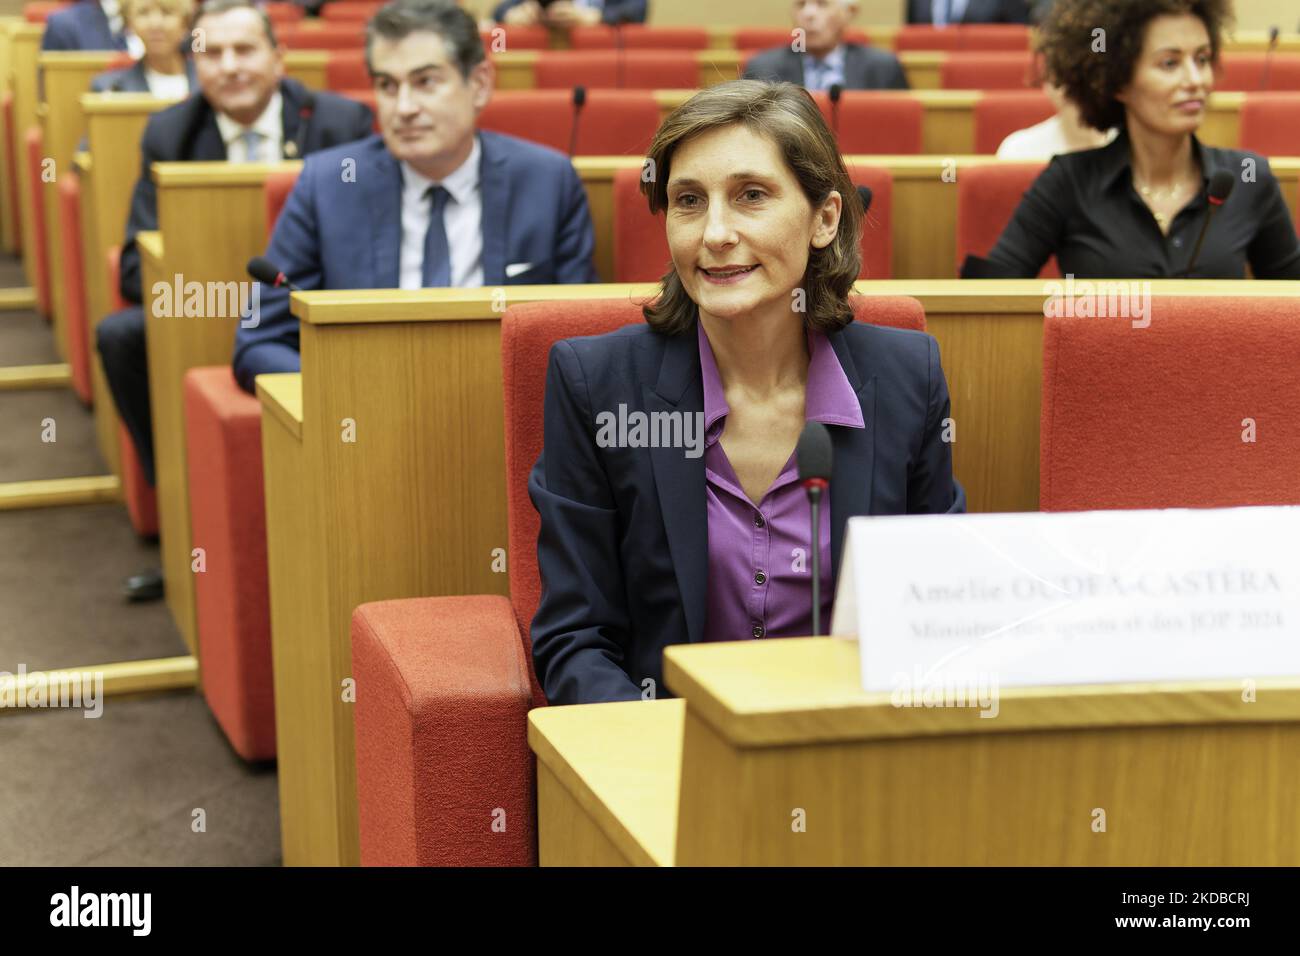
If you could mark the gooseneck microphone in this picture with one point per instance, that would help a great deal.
(1221, 183)
(814, 456)
(836, 91)
(263, 270)
(1268, 57)
(579, 101)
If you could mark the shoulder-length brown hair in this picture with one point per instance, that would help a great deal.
(787, 115)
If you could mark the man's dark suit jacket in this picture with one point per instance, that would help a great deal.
(623, 547)
(864, 68)
(131, 79)
(81, 26)
(977, 11)
(188, 131)
(614, 11)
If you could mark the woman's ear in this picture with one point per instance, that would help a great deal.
(827, 221)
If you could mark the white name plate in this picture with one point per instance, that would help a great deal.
(1072, 597)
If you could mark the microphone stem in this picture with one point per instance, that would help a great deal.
(815, 501)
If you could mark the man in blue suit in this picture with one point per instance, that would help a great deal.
(86, 25)
(563, 14)
(429, 202)
(947, 12)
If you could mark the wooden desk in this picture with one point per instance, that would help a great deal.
(768, 729)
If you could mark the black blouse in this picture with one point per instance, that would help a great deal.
(1084, 209)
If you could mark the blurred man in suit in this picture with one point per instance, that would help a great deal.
(164, 69)
(247, 112)
(431, 201)
(87, 25)
(944, 12)
(825, 60)
(569, 13)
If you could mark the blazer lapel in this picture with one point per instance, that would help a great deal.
(494, 193)
(792, 67)
(679, 481)
(381, 181)
(855, 68)
(854, 448)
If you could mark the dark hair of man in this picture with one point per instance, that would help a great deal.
(397, 20)
(214, 7)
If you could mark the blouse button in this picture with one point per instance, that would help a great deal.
(759, 577)
(758, 630)
(758, 520)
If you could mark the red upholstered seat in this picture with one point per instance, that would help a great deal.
(284, 13)
(34, 141)
(641, 244)
(1270, 124)
(11, 164)
(141, 498)
(40, 12)
(764, 38)
(346, 70)
(999, 113)
(629, 69)
(638, 36)
(611, 123)
(441, 730)
(983, 36)
(1154, 417)
(1245, 72)
(988, 71)
(223, 429)
(349, 11)
(74, 285)
(987, 196)
(321, 36)
(275, 191)
(875, 123)
(507, 39)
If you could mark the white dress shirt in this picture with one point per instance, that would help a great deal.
(462, 217)
(1042, 141)
(270, 125)
(169, 86)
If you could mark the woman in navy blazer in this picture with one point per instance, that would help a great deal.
(670, 509)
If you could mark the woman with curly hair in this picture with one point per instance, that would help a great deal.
(751, 336)
(1134, 208)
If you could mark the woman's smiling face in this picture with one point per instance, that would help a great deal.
(739, 226)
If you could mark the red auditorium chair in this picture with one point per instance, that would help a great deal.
(282, 14)
(11, 163)
(637, 36)
(765, 38)
(40, 12)
(641, 244)
(275, 191)
(504, 39)
(999, 113)
(346, 70)
(1153, 417)
(441, 731)
(325, 36)
(348, 11)
(34, 140)
(74, 287)
(987, 196)
(1270, 124)
(988, 71)
(875, 123)
(223, 432)
(630, 69)
(973, 37)
(141, 497)
(1245, 73)
(612, 123)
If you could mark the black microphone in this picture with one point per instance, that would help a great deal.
(579, 101)
(814, 455)
(835, 92)
(1268, 57)
(263, 270)
(1221, 184)
(865, 194)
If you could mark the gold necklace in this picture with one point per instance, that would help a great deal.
(1154, 196)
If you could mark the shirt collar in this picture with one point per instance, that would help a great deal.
(834, 59)
(828, 396)
(462, 182)
(269, 124)
(1116, 159)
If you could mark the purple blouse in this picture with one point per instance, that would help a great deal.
(759, 562)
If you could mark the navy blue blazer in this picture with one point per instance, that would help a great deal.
(623, 547)
(188, 131)
(338, 232)
(977, 11)
(82, 26)
(613, 11)
(131, 79)
(865, 68)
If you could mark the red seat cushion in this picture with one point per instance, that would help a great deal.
(74, 285)
(223, 428)
(987, 196)
(140, 497)
(324, 36)
(507, 39)
(283, 13)
(999, 113)
(346, 70)
(348, 11)
(40, 12)
(1154, 417)
(275, 191)
(637, 36)
(611, 122)
(983, 36)
(630, 69)
(1270, 124)
(988, 71)
(1245, 72)
(875, 123)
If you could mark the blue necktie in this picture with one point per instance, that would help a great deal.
(436, 270)
(252, 145)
